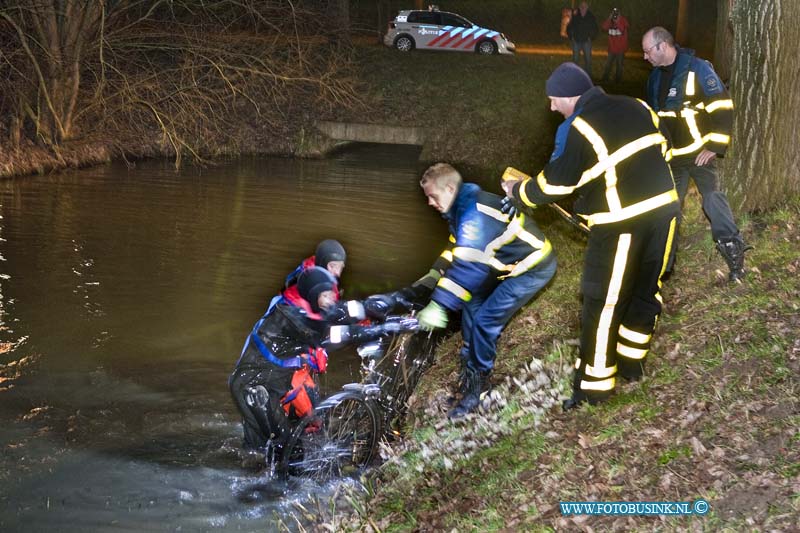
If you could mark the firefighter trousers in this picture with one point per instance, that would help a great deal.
(621, 281)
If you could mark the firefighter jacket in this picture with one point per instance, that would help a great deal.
(612, 153)
(486, 246)
(697, 110)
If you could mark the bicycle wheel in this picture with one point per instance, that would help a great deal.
(406, 359)
(339, 439)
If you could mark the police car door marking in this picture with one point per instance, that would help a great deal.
(465, 37)
(442, 35)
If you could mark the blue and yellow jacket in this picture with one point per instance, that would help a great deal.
(697, 110)
(486, 246)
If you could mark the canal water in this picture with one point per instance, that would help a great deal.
(125, 297)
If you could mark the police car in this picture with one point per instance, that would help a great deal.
(439, 30)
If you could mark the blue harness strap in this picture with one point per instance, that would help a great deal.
(292, 362)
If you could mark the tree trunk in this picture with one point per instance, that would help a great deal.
(682, 24)
(723, 45)
(762, 169)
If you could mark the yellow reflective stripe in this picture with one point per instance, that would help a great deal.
(600, 373)
(604, 385)
(612, 297)
(690, 84)
(623, 153)
(452, 238)
(720, 138)
(474, 255)
(531, 261)
(633, 210)
(550, 189)
(453, 287)
(631, 353)
(447, 255)
(667, 114)
(726, 103)
(600, 148)
(530, 238)
(634, 336)
(523, 195)
(492, 212)
(698, 140)
(512, 173)
(592, 136)
(670, 236)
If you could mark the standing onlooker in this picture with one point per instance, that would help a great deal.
(698, 113)
(581, 30)
(609, 151)
(617, 27)
(499, 262)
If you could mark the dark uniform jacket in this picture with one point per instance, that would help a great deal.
(487, 246)
(580, 28)
(592, 157)
(693, 104)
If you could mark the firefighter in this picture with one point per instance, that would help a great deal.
(274, 379)
(696, 109)
(496, 264)
(610, 152)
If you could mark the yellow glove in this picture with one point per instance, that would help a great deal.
(432, 317)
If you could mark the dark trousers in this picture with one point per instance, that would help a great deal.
(614, 60)
(585, 48)
(715, 203)
(484, 317)
(266, 424)
(621, 301)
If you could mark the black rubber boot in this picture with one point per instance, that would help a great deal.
(578, 398)
(732, 250)
(453, 399)
(477, 384)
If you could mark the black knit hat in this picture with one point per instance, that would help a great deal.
(313, 282)
(568, 79)
(327, 251)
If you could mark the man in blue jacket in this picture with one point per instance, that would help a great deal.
(497, 263)
(696, 109)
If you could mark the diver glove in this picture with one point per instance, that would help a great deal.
(432, 317)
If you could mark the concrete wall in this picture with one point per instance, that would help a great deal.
(372, 133)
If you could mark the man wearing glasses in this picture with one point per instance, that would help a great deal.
(697, 111)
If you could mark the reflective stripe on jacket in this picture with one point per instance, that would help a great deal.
(698, 112)
(487, 246)
(612, 153)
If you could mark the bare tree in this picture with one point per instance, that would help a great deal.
(188, 69)
(682, 24)
(723, 45)
(763, 167)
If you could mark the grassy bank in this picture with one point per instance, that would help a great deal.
(716, 417)
(480, 113)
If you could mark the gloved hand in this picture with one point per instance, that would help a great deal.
(378, 306)
(432, 317)
(348, 312)
(509, 207)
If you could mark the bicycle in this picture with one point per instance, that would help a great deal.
(341, 437)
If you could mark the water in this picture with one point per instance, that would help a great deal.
(125, 296)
